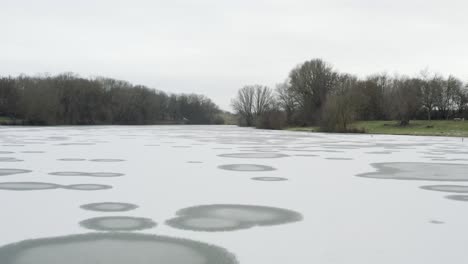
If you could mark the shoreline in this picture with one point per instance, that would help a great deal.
(441, 128)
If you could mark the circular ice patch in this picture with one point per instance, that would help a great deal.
(379, 152)
(447, 188)
(113, 248)
(69, 173)
(72, 159)
(87, 187)
(269, 179)
(76, 144)
(205, 224)
(107, 160)
(458, 197)
(8, 159)
(89, 174)
(6, 172)
(246, 167)
(263, 155)
(28, 186)
(229, 217)
(105, 174)
(419, 171)
(118, 223)
(109, 207)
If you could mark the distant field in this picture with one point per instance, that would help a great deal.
(304, 129)
(4, 120)
(416, 127)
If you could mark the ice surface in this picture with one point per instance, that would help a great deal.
(118, 223)
(388, 215)
(246, 167)
(109, 207)
(113, 249)
(229, 217)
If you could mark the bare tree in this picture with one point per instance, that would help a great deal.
(405, 94)
(243, 105)
(461, 100)
(251, 102)
(431, 87)
(263, 99)
(286, 100)
(447, 104)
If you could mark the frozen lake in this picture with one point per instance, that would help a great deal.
(223, 194)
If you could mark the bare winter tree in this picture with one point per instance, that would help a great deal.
(251, 102)
(263, 99)
(243, 105)
(431, 87)
(286, 100)
(446, 100)
(406, 99)
(461, 101)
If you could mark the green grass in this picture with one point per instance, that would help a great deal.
(304, 129)
(4, 119)
(416, 127)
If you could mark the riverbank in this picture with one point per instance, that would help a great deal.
(6, 121)
(447, 128)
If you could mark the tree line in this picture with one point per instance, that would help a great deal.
(68, 99)
(316, 94)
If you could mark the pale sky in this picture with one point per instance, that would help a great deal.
(215, 47)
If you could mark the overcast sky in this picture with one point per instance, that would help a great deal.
(214, 47)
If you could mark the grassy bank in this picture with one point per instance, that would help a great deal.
(416, 127)
(6, 120)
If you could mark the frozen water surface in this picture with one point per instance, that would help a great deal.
(114, 249)
(269, 179)
(87, 187)
(118, 223)
(9, 159)
(419, 171)
(447, 188)
(458, 197)
(246, 167)
(27, 186)
(109, 207)
(89, 174)
(387, 205)
(6, 172)
(107, 160)
(72, 159)
(253, 155)
(229, 217)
